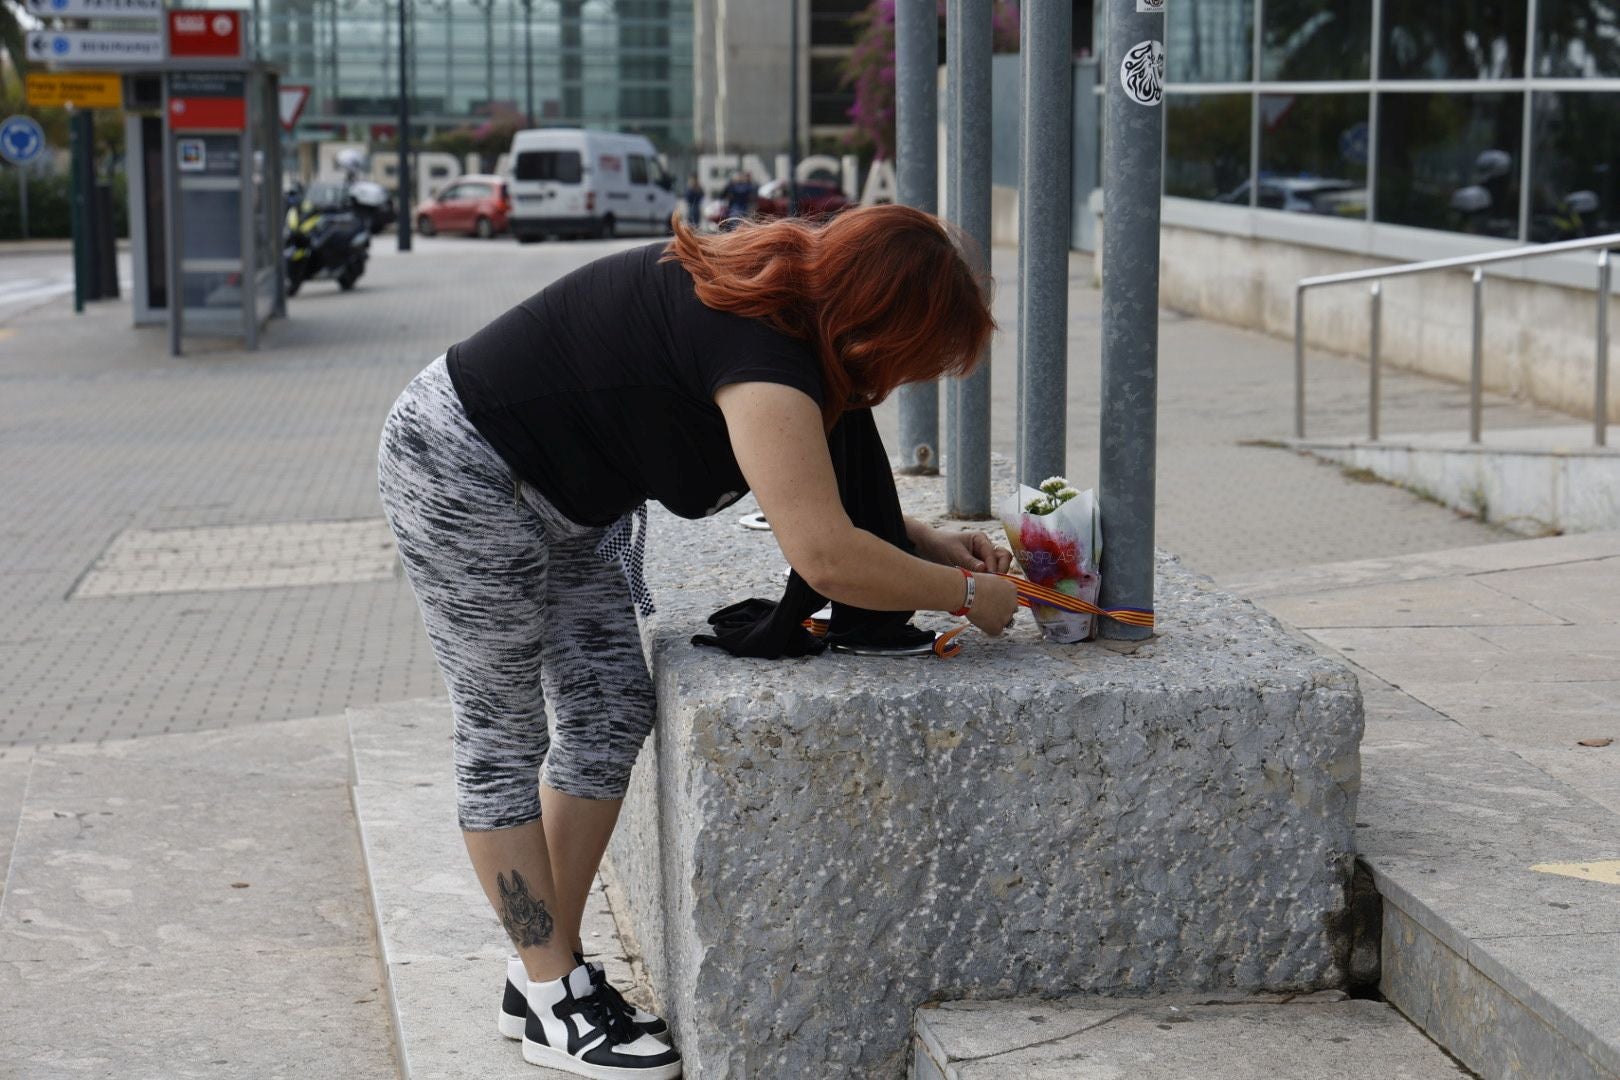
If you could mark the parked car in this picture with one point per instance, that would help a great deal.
(472, 204)
(579, 182)
(817, 198)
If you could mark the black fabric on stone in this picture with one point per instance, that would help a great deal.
(774, 629)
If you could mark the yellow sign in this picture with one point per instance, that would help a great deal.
(1605, 870)
(86, 90)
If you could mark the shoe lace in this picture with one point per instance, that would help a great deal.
(609, 1015)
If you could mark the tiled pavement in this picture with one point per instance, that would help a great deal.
(102, 432)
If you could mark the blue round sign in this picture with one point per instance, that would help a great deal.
(21, 139)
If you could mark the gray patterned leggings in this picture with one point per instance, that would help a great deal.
(521, 611)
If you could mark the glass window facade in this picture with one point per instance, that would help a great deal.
(1446, 121)
(617, 64)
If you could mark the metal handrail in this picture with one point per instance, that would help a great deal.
(1477, 263)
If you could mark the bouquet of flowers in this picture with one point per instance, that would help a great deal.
(1057, 538)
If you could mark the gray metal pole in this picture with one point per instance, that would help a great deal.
(1133, 69)
(1045, 200)
(407, 204)
(968, 34)
(1476, 365)
(1600, 374)
(1375, 320)
(916, 92)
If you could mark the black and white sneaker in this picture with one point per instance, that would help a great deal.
(515, 1009)
(573, 1028)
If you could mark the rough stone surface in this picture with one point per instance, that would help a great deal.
(811, 848)
(1174, 1038)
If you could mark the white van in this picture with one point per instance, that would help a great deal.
(578, 182)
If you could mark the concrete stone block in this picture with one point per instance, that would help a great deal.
(812, 848)
(1176, 1037)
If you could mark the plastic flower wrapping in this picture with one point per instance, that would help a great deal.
(1055, 534)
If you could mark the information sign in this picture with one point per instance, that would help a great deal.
(97, 47)
(78, 90)
(21, 139)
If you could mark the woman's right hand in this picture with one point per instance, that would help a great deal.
(995, 604)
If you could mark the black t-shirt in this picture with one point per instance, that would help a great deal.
(599, 389)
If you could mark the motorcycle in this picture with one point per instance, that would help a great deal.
(327, 242)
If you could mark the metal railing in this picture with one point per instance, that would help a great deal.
(1476, 370)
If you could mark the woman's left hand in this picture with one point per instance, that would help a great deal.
(971, 551)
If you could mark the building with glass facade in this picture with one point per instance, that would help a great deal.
(618, 64)
(1498, 118)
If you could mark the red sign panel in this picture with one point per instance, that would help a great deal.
(212, 35)
(207, 114)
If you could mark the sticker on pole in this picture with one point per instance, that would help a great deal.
(1142, 73)
(1150, 7)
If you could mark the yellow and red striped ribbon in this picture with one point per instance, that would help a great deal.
(1030, 594)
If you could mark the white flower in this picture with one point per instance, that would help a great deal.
(1054, 484)
(1068, 493)
(1038, 506)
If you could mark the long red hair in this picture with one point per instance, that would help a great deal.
(883, 293)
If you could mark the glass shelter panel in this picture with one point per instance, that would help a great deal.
(1314, 40)
(1451, 161)
(1313, 153)
(1458, 39)
(1207, 146)
(1210, 41)
(1575, 166)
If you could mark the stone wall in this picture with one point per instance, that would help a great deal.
(811, 848)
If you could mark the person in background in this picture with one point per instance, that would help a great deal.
(739, 196)
(694, 201)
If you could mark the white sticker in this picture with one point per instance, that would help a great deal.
(1149, 7)
(1142, 73)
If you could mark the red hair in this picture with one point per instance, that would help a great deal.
(882, 293)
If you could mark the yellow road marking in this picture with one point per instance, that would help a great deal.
(1606, 871)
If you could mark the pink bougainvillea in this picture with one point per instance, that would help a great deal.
(870, 69)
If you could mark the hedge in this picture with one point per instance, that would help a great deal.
(48, 214)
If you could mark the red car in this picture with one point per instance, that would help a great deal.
(471, 204)
(817, 198)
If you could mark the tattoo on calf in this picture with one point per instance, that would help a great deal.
(524, 915)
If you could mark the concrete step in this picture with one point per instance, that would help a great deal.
(1535, 481)
(14, 768)
(1179, 1037)
(1488, 943)
(1489, 814)
(443, 949)
(189, 905)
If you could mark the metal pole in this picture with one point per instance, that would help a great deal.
(793, 108)
(916, 89)
(528, 63)
(968, 34)
(1476, 369)
(1375, 320)
(1132, 183)
(1600, 376)
(83, 133)
(403, 173)
(1044, 204)
(1299, 362)
(22, 198)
